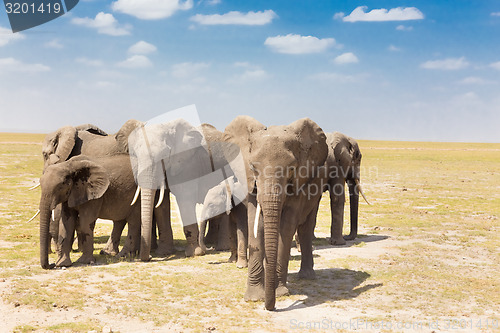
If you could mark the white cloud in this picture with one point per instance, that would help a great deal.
(136, 61)
(213, 2)
(346, 58)
(393, 48)
(495, 65)
(404, 28)
(13, 65)
(380, 15)
(151, 9)
(297, 44)
(142, 47)
(54, 44)
(188, 69)
(6, 36)
(89, 62)
(474, 80)
(236, 18)
(495, 14)
(446, 64)
(104, 23)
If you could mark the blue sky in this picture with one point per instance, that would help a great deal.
(397, 70)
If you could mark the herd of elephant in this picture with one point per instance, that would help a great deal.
(272, 195)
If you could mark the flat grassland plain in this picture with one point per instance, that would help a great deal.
(427, 258)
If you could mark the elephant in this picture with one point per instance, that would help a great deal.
(285, 185)
(343, 165)
(89, 140)
(219, 199)
(178, 155)
(88, 188)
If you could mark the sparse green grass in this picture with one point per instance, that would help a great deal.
(438, 204)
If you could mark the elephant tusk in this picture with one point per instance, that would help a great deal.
(53, 215)
(160, 199)
(34, 187)
(36, 214)
(361, 191)
(256, 222)
(136, 195)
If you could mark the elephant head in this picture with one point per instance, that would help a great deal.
(218, 201)
(74, 182)
(346, 158)
(282, 160)
(57, 146)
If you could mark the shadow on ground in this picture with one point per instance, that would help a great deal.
(330, 285)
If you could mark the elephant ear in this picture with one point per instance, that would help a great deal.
(122, 135)
(57, 146)
(312, 141)
(345, 149)
(90, 181)
(241, 132)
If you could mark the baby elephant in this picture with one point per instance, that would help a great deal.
(222, 201)
(88, 188)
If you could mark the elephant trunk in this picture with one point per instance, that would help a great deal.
(354, 203)
(45, 214)
(147, 197)
(271, 209)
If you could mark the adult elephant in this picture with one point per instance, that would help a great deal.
(343, 165)
(87, 188)
(178, 155)
(90, 140)
(285, 189)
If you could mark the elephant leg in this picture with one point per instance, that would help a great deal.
(113, 243)
(255, 284)
(223, 236)
(67, 225)
(337, 201)
(213, 231)
(306, 235)
(240, 214)
(132, 242)
(163, 221)
(88, 214)
(54, 228)
(191, 231)
(154, 240)
(287, 231)
(233, 240)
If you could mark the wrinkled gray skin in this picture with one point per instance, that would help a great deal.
(180, 152)
(343, 163)
(220, 198)
(89, 140)
(88, 188)
(284, 208)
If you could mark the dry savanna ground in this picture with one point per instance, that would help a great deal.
(426, 259)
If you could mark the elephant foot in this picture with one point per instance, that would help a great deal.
(63, 261)
(108, 252)
(282, 290)
(337, 241)
(254, 293)
(307, 274)
(233, 257)
(241, 263)
(192, 251)
(350, 237)
(86, 259)
(164, 251)
(126, 253)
